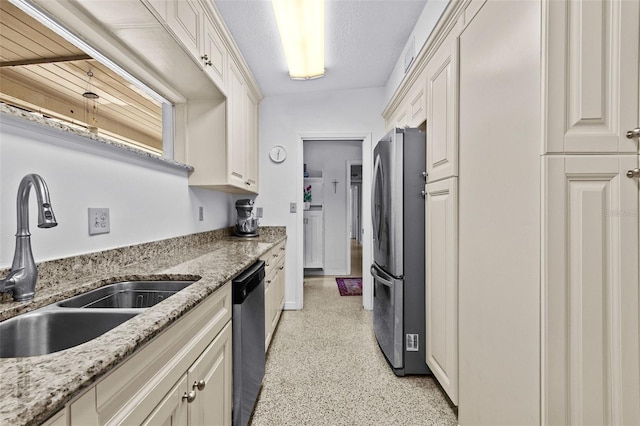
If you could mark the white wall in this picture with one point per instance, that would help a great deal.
(147, 202)
(282, 118)
(331, 158)
(425, 24)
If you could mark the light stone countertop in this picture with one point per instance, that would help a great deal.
(35, 388)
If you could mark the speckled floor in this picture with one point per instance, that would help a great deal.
(324, 367)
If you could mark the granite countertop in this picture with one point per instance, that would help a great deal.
(34, 388)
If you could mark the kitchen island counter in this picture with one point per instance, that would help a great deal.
(34, 388)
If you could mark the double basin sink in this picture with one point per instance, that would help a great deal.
(81, 318)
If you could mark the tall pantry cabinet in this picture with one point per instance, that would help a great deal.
(590, 325)
(533, 218)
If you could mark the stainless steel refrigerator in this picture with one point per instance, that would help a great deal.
(398, 270)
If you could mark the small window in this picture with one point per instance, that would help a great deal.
(43, 73)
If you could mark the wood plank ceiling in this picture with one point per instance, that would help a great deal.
(41, 71)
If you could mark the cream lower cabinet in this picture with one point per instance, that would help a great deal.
(274, 290)
(591, 333)
(441, 267)
(183, 376)
(313, 222)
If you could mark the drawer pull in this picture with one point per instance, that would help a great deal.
(190, 397)
(268, 281)
(199, 385)
(266, 263)
(281, 268)
(275, 255)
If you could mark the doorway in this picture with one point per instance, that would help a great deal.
(337, 188)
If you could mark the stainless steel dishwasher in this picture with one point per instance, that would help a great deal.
(248, 341)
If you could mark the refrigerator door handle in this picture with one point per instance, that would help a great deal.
(374, 273)
(376, 167)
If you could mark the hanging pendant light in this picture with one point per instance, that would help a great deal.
(91, 105)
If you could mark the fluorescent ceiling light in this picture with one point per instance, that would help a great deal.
(301, 25)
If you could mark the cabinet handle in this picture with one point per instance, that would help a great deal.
(281, 248)
(634, 173)
(281, 268)
(205, 57)
(199, 385)
(268, 281)
(247, 183)
(208, 63)
(266, 263)
(423, 193)
(190, 397)
(633, 134)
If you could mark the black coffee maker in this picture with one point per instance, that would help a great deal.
(247, 224)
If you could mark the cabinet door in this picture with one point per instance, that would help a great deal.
(592, 76)
(251, 141)
(214, 54)
(58, 419)
(442, 101)
(590, 291)
(313, 239)
(269, 286)
(282, 285)
(441, 265)
(235, 133)
(172, 411)
(210, 376)
(184, 17)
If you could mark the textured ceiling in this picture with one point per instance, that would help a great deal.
(363, 41)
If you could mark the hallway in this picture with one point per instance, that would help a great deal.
(324, 367)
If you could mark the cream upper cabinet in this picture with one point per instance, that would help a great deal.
(236, 142)
(214, 54)
(592, 76)
(184, 18)
(196, 31)
(441, 272)
(590, 291)
(442, 110)
(242, 135)
(251, 141)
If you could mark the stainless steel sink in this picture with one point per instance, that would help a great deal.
(68, 323)
(127, 294)
(46, 331)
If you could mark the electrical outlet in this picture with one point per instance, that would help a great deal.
(99, 221)
(292, 207)
(200, 213)
(259, 212)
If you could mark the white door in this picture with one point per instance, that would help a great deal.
(590, 291)
(441, 272)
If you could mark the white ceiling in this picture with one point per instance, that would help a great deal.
(363, 41)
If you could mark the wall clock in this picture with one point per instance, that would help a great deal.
(278, 154)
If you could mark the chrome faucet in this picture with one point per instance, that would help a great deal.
(23, 274)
